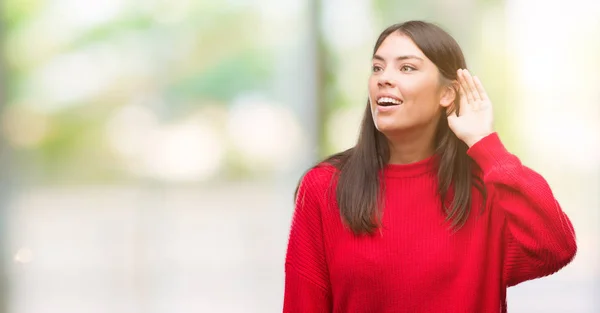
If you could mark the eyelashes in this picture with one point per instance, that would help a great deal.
(403, 68)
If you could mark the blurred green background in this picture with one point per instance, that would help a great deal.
(151, 148)
(95, 91)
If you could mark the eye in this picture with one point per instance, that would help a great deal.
(376, 68)
(407, 68)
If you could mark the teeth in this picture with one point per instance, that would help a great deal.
(388, 100)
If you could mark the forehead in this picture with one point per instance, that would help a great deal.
(398, 44)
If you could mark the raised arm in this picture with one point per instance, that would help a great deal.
(540, 238)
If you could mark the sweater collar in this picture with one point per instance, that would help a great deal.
(428, 165)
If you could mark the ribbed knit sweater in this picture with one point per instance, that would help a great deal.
(416, 262)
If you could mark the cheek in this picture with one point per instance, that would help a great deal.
(372, 90)
(421, 93)
(413, 88)
(372, 85)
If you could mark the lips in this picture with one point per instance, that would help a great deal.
(388, 101)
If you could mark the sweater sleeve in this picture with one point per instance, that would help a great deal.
(307, 288)
(540, 239)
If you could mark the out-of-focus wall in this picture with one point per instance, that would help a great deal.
(154, 146)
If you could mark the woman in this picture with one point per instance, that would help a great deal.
(428, 212)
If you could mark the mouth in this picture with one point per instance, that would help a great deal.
(388, 101)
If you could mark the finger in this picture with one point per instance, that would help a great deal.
(465, 88)
(471, 86)
(480, 88)
(464, 102)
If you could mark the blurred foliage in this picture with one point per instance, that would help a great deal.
(225, 79)
(203, 53)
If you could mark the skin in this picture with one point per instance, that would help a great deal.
(400, 70)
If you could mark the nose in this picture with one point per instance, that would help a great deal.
(385, 80)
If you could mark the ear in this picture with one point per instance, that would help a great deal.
(448, 94)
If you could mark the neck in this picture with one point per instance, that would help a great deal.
(411, 146)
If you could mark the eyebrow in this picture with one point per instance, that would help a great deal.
(400, 58)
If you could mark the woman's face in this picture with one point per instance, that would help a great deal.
(404, 87)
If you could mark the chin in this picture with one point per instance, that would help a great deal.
(388, 123)
(388, 128)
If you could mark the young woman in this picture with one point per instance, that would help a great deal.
(428, 212)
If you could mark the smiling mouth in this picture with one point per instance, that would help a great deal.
(387, 101)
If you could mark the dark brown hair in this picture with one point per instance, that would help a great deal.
(359, 188)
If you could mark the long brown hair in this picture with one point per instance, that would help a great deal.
(359, 188)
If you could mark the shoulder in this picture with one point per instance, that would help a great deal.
(317, 182)
(320, 181)
(322, 172)
(318, 177)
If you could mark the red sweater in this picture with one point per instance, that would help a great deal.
(415, 263)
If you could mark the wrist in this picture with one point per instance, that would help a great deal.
(473, 140)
